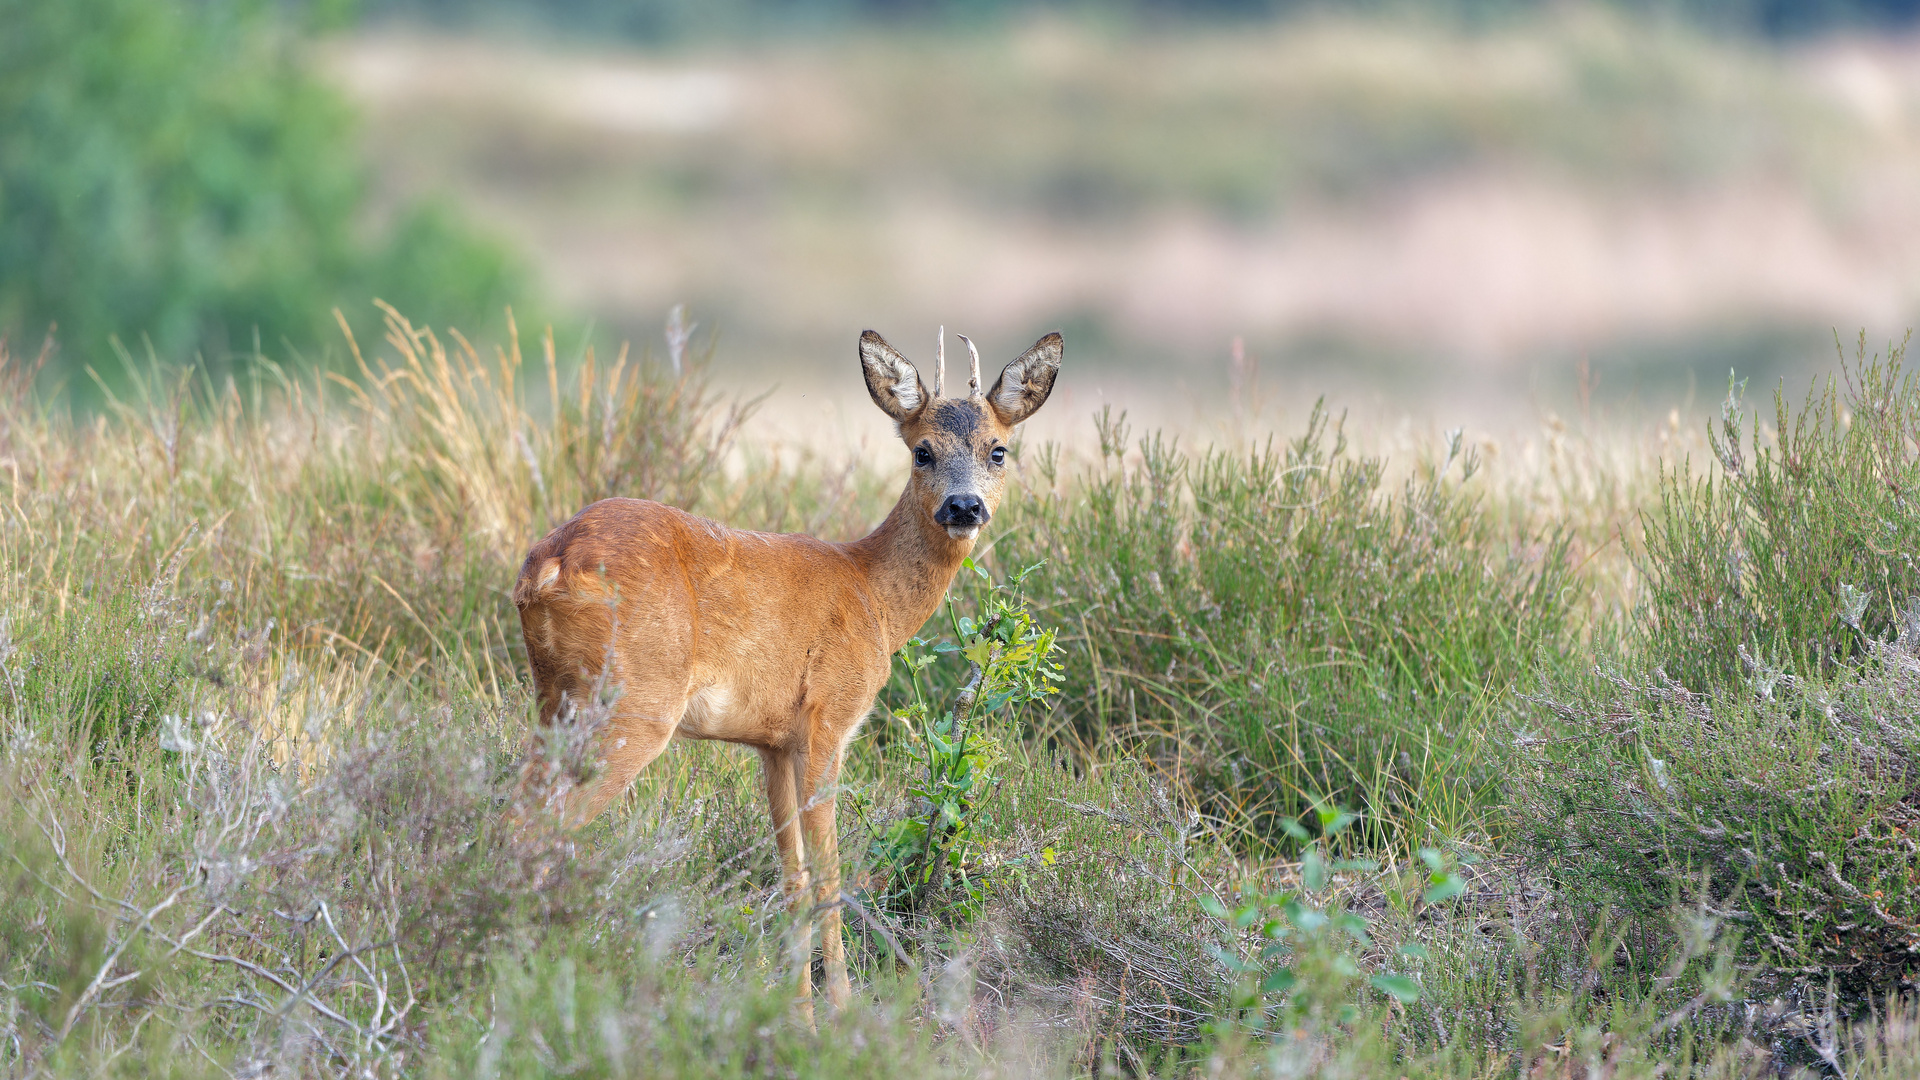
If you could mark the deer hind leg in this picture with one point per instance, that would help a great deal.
(629, 743)
(642, 716)
(783, 805)
(818, 811)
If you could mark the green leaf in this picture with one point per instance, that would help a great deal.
(1313, 871)
(1398, 987)
(1434, 860)
(1278, 981)
(1414, 949)
(1210, 905)
(1294, 829)
(1354, 925)
(1230, 961)
(1449, 887)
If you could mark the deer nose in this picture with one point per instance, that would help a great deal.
(962, 510)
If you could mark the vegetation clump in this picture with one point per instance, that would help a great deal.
(1284, 624)
(1756, 741)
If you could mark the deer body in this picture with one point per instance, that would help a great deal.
(778, 642)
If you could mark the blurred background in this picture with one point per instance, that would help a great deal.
(1462, 211)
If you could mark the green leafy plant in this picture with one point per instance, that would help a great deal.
(1304, 972)
(926, 856)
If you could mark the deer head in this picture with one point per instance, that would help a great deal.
(959, 445)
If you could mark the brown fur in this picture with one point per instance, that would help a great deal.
(779, 642)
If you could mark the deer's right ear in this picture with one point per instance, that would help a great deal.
(892, 379)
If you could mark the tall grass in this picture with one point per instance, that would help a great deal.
(1797, 553)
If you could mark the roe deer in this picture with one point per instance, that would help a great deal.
(779, 642)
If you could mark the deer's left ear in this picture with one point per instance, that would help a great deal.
(1024, 385)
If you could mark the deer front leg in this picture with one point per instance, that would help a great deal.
(783, 805)
(823, 845)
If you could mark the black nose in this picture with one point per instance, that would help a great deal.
(962, 510)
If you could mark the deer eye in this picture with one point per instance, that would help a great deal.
(922, 456)
(999, 455)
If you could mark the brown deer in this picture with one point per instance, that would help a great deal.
(780, 642)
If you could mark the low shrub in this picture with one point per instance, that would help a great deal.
(1283, 626)
(1799, 551)
(1756, 738)
(1792, 808)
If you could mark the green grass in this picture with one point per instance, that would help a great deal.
(264, 707)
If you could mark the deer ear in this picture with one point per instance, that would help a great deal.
(1023, 387)
(892, 379)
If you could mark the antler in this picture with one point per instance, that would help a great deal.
(939, 363)
(973, 364)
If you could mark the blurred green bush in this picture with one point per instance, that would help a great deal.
(170, 171)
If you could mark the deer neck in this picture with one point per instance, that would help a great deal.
(910, 561)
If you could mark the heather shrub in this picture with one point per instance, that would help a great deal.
(1791, 807)
(1754, 741)
(1797, 553)
(1282, 625)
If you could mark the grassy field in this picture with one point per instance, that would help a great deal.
(1592, 760)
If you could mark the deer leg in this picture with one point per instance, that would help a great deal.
(783, 806)
(628, 744)
(823, 845)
